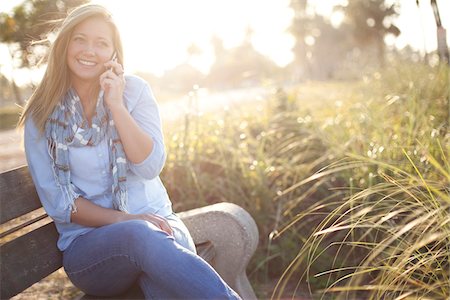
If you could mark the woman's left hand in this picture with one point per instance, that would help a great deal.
(112, 82)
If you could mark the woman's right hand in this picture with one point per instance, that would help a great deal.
(92, 215)
(158, 221)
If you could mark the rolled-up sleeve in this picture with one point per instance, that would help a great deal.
(52, 197)
(146, 115)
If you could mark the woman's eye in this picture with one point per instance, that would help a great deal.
(103, 44)
(78, 39)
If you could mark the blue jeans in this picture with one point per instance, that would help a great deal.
(108, 260)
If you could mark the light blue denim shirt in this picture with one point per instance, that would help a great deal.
(90, 172)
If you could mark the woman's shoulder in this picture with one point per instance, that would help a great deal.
(30, 128)
(135, 88)
(30, 132)
(135, 83)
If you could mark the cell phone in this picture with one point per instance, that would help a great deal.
(113, 58)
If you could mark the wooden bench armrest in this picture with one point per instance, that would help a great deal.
(234, 236)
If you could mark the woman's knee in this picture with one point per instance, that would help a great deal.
(141, 233)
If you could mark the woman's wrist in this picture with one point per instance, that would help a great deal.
(118, 108)
(123, 216)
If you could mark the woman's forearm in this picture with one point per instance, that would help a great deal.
(136, 142)
(92, 215)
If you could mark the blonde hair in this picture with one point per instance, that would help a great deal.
(56, 80)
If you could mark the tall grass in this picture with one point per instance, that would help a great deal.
(246, 156)
(348, 182)
(393, 239)
(389, 234)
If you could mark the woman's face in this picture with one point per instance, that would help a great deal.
(90, 46)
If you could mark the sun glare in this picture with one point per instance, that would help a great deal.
(157, 34)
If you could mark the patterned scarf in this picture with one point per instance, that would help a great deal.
(66, 126)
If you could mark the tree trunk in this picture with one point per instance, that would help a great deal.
(14, 86)
(17, 93)
(381, 49)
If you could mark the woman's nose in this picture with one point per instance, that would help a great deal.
(89, 53)
(89, 50)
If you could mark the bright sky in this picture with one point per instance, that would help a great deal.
(157, 33)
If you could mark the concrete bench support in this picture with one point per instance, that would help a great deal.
(234, 236)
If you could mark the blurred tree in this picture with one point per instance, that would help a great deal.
(370, 21)
(193, 50)
(240, 66)
(5, 91)
(218, 47)
(181, 78)
(441, 35)
(300, 28)
(329, 48)
(194, 53)
(29, 22)
(319, 46)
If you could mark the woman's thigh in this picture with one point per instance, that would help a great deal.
(107, 260)
(103, 261)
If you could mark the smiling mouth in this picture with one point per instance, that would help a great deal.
(86, 62)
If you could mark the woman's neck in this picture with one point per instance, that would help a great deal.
(88, 92)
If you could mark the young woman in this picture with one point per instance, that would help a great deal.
(95, 148)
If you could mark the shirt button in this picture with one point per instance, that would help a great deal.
(100, 155)
(103, 172)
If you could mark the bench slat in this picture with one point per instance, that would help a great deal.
(27, 259)
(23, 225)
(18, 194)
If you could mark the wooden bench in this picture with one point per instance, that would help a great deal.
(224, 233)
